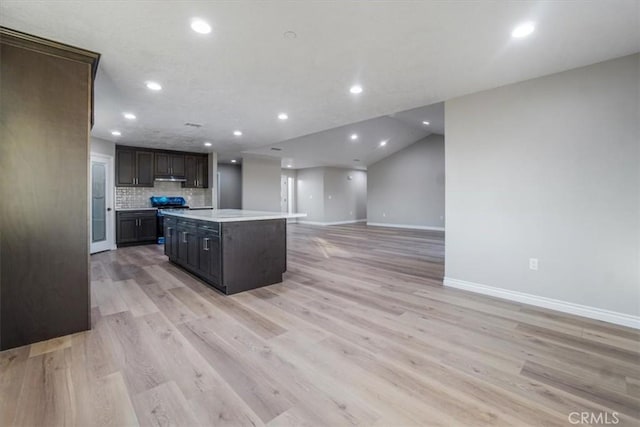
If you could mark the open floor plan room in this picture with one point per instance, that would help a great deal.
(359, 332)
(319, 213)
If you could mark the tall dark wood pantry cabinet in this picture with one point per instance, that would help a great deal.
(46, 99)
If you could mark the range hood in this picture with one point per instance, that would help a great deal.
(171, 179)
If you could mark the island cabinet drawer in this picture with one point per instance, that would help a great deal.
(209, 227)
(187, 223)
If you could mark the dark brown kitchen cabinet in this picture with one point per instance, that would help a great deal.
(169, 165)
(134, 168)
(188, 250)
(209, 254)
(46, 113)
(136, 227)
(232, 256)
(170, 237)
(196, 172)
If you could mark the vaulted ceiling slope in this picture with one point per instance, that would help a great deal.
(356, 145)
(247, 70)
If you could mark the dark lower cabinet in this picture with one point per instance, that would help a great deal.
(231, 256)
(188, 245)
(209, 253)
(170, 238)
(136, 227)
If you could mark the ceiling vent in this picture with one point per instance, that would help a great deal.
(276, 149)
(193, 125)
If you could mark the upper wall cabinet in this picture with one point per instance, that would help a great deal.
(139, 167)
(134, 168)
(196, 172)
(169, 165)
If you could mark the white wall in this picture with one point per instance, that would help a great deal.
(407, 188)
(102, 146)
(327, 195)
(310, 194)
(211, 193)
(345, 195)
(261, 183)
(549, 169)
(230, 186)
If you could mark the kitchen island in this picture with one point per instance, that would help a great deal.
(233, 250)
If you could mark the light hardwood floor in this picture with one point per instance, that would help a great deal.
(361, 332)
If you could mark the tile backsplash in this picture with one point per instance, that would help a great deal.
(138, 197)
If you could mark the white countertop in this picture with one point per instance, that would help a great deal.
(155, 209)
(230, 215)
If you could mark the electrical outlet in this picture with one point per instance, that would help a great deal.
(350, 213)
(329, 196)
(384, 214)
(533, 263)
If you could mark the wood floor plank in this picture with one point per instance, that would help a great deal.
(626, 404)
(12, 371)
(259, 391)
(163, 405)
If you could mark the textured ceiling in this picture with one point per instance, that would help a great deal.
(404, 54)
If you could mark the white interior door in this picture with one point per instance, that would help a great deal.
(290, 186)
(284, 193)
(101, 200)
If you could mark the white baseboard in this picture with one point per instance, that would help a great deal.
(413, 227)
(550, 303)
(331, 223)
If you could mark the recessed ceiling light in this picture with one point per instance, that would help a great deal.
(354, 136)
(383, 143)
(116, 133)
(207, 144)
(283, 116)
(129, 116)
(153, 86)
(237, 133)
(200, 26)
(288, 166)
(355, 89)
(523, 30)
(425, 123)
(233, 160)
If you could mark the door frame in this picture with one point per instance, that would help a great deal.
(110, 220)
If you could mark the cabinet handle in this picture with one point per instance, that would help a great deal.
(170, 230)
(184, 237)
(206, 242)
